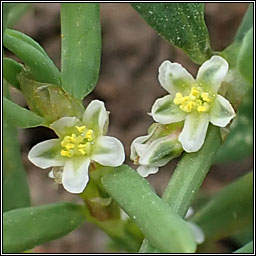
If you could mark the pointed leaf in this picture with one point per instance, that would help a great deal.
(15, 186)
(245, 57)
(81, 47)
(41, 67)
(246, 24)
(181, 24)
(11, 69)
(248, 248)
(239, 141)
(229, 211)
(17, 11)
(20, 116)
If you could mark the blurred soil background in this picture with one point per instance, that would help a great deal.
(131, 55)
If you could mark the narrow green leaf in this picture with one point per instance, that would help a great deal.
(28, 227)
(6, 12)
(11, 69)
(15, 187)
(32, 54)
(20, 116)
(229, 211)
(17, 11)
(182, 24)
(239, 142)
(162, 226)
(245, 57)
(81, 47)
(246, 24)
(248, 248)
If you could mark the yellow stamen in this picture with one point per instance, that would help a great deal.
(178, 99)
(194, 91)
(196, 100)
(205, 97)
(80, 128)
(89, 135)
(65, 153)
(78, 144)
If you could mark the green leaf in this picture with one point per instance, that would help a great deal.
(159, 223)
(81, 47)
(28, 227)
(248, 248)
(17, 11)
(246, 24)
(6, 11)
(20, 116)
(33, 55)
(239, 142)
(15, 187)
(229, 211)
(245, 57)
(11, 69)
(182, 24)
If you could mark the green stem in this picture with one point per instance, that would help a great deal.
(188, 177)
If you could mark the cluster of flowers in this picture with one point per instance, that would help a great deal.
(182, 119)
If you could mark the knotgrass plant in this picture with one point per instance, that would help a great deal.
(191, 120)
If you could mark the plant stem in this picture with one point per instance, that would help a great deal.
(188, 177)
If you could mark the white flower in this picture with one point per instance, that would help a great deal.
(157, 148)
(79, 142)
(194, 100)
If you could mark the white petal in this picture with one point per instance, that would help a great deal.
(144, 171)
(174, 78)
(75, 175)
(222, 112)
(194, 131)
(46, 154)
(96, 117)
(62, 125)
(197, 231)
(165, 111)
(189, 213)
(212, 73)
(108, 151)
(51, 175)
(137, 146)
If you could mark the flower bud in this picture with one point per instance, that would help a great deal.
(157, 148)
(48, 100)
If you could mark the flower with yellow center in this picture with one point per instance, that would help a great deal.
(196, 101)
(79, 143)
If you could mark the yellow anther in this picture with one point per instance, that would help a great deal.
(82, 146)
(65, 153)
(89, 135)
(178, 95)
(80, 128)
(79, 143)
(201, 109)
(69, 146)
(178, 98)
(72, 137)
(205, 97)
(82, 151)
(194, 91)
